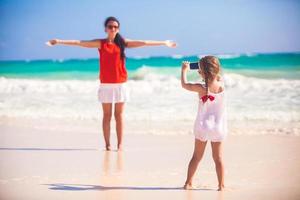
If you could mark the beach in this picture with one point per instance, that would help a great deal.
(70, 72)
(51, 143)
(56, 163)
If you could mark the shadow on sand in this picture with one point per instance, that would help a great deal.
(46, 149)
(79, 187)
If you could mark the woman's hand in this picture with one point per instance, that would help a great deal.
(52, 42)
(170, 44)
(185, 66)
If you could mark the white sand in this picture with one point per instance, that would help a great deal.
(51, 164)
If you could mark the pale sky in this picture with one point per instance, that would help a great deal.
(199, 27)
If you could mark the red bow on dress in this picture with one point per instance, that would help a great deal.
(205, 97)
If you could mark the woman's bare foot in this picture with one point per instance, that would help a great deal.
(188, 186)
(107, 147)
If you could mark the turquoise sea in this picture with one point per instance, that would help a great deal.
(280, 65)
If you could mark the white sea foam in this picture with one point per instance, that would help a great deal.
(146, 72)
(177, 56)
(154, 97)
(140, 57)
(228, 55)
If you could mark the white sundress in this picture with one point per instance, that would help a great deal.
(211, 120)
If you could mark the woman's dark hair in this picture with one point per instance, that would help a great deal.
(210, 65)
(119, 40)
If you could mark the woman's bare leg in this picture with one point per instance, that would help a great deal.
(107, 112)
(218, 158)
(119, 107)
(197, 156)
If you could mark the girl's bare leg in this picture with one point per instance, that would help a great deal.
(218, 158)
(197, 156)
(119, 107)
(107, 112)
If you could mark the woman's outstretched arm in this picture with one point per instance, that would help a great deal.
(142, 43)
(194, 87)
(96, 43)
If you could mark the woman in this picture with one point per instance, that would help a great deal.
(113, 74)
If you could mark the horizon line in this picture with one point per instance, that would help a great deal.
(175, 56)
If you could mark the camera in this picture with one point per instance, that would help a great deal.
(194, 66)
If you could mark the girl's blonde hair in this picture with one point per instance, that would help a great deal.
(210, 66)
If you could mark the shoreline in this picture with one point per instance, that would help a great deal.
(150, 127)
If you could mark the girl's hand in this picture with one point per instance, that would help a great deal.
(185, 65)
(52, 42)
(170, 44)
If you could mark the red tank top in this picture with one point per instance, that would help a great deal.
(112, 66)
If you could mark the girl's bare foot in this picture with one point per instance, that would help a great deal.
(221, 188)
(188, 186)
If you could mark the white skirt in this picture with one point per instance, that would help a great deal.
(113, 92)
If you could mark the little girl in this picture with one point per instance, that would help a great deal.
(210, 123)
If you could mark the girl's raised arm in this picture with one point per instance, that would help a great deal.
(142, 43)
(96, 43)
(194, 87)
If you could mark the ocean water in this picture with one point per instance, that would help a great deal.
(262, 90)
